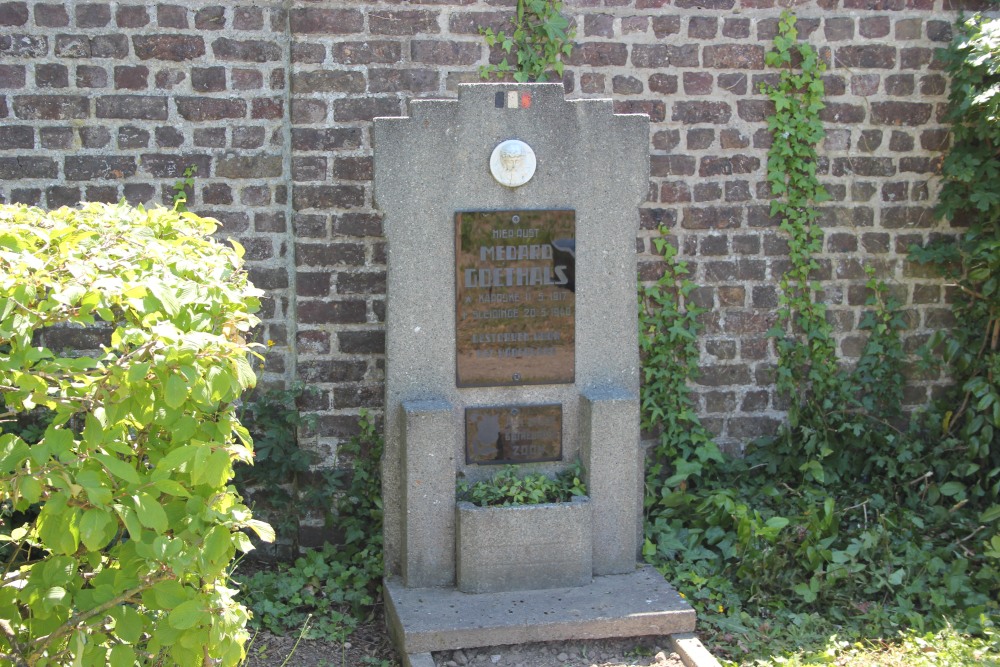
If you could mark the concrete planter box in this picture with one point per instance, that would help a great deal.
(524, 547)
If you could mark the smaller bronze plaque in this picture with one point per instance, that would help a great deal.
(513, 434)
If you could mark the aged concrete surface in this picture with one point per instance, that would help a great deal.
(436, 162)
(429, 467)
(691, 651)
(524, 547)
(623, 605)
(612, 457)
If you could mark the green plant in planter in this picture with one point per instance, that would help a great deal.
(508, 487)
(541, 37)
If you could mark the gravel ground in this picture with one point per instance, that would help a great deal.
(369, 646)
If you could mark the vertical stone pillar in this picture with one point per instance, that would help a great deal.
(429, 473)
(610, 449)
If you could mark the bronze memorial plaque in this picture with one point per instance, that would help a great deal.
(513, 434)
(515, 275)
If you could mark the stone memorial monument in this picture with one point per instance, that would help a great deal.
(511, 338)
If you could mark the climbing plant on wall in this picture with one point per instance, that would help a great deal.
(542, 36)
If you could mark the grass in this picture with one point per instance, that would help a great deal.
(800, 640)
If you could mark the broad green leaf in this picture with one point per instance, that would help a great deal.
(118, 468)
(175, 391)
(150, 512)
(122, 655)
(97, 528)
(128, 624)
(952, 489)
(187, 615)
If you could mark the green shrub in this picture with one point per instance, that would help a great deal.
(333, 588)
(120, 524)
(855, 521)
(509, 487)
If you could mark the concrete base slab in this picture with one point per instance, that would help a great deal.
(622, 605)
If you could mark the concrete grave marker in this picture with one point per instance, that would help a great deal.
(511, 216)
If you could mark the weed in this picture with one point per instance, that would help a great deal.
(327, 592)
(509, 487)
(541, 37)
(183, 187)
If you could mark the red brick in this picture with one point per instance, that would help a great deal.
(94, 137)
(865, 85)
(171, 16)
(30, 46)
(72, 46)
(361, 342)
(248, 18)
(109, 46)
(308, 111)
(210, 18)
(366, 282)
(245, 166)
(13, 14)
(358, 224)
(599, 25)
(208, 79)
(310, 20)
(663, 55)
(698, 83)
(326, 139)
(51, 16)
(403, 22)
(328, 81)
(367, 108)
(674, 192)
(939, 31)
(132, 16)
(353, 169)
(199, 109)
(703, 27)
(664, 26)
(702, 112)
(93, 15)
(366, 53)
(626, 85)
(175, 48)
(390, 80)
(327, 196)
(51, 75)
(445, 53)
(247, 79)
(59, 195)
(712, 218)
(51, 107)
(901, 113)
(655, 109)
(131, 78)
(842, 113)
(94, 167)
(263, 108)
(862, 57)
(707, 192)
(15, 168)
(248, 137)
(250, 50)
(130, 136)
(735, 83)
(16, 136)
(734, 56)
(138, 107)
(720, 375)
(173, 165)
(705, 4)
(874, 27)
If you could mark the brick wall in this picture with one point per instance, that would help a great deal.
(273, 101)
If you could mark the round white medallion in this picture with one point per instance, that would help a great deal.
(512, 163)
